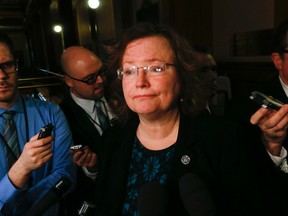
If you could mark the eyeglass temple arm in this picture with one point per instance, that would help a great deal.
(50, 72)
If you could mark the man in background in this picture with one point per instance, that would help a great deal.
(29, 166)
(207, 76)
(88, 115)
(273, 157)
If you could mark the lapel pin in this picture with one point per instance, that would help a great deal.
(185, 159)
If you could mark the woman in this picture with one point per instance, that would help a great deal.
(162, 159)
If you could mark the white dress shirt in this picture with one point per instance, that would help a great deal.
(89, 107)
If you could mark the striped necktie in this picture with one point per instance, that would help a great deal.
(103, 119)
(10, 136)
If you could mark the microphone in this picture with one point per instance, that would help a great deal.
(50, 72)
(152, 200)
(195, 195)
(53, 196)
(86, 208)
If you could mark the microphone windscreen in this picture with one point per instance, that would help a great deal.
(196, 196)
(152, 200)
(53, 196)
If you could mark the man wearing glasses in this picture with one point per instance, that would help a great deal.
(87, 113)
(271, 161)
(277, 87)
(29, 166)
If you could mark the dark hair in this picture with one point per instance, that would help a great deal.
(186, 60)
(280, 37)
(4, 38)
(202, 48)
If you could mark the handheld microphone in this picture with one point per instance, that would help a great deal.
(53, 196)
(50, 72)
(195, 195)
(152, 200)
(86, 208)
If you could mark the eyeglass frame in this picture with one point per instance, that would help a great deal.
(90, 81)
(9, 62)
(146, 69)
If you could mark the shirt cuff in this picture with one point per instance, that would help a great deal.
(10, 189)
(280, 161)
(90, 174)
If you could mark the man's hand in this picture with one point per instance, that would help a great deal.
(84, 157)
(274, 126)
(34, 155)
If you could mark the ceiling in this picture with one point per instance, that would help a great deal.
(14, 12)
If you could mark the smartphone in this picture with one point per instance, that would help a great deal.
(45, 131)
(76, 148)
(265, 101)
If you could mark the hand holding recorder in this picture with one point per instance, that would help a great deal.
(35, 154)
(273, 121)
(266, 101)
(83, 156)
(38, 150)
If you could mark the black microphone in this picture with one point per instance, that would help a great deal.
(152, 200)
(53, 196)
(86, 208)
(196, 196)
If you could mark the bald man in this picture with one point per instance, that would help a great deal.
(83, 74)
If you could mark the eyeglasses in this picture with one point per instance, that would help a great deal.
(133, 71)
(9, 67)
(91, 79)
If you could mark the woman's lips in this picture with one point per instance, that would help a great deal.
(144, 96)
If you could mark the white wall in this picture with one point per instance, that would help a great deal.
(234, 16)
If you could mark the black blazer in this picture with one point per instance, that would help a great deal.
(214, 147)
(83, 132)
(274, 89)
(272, 182)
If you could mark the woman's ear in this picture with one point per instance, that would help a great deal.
(277, 60)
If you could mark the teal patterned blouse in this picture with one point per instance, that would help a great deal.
(146, 166)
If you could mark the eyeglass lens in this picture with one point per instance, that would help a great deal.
(9, 67)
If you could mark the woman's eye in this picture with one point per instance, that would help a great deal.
(128, 72)
(155, 69)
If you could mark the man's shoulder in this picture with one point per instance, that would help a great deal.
(275, 89)
(34, 103)
(67, 100)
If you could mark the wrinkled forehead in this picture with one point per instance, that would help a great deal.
(147, 49)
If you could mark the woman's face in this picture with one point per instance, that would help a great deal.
(145, 93)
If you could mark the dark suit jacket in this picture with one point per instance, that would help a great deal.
(216, 152)
(274, 89)
(272, 182)
(85, 133)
